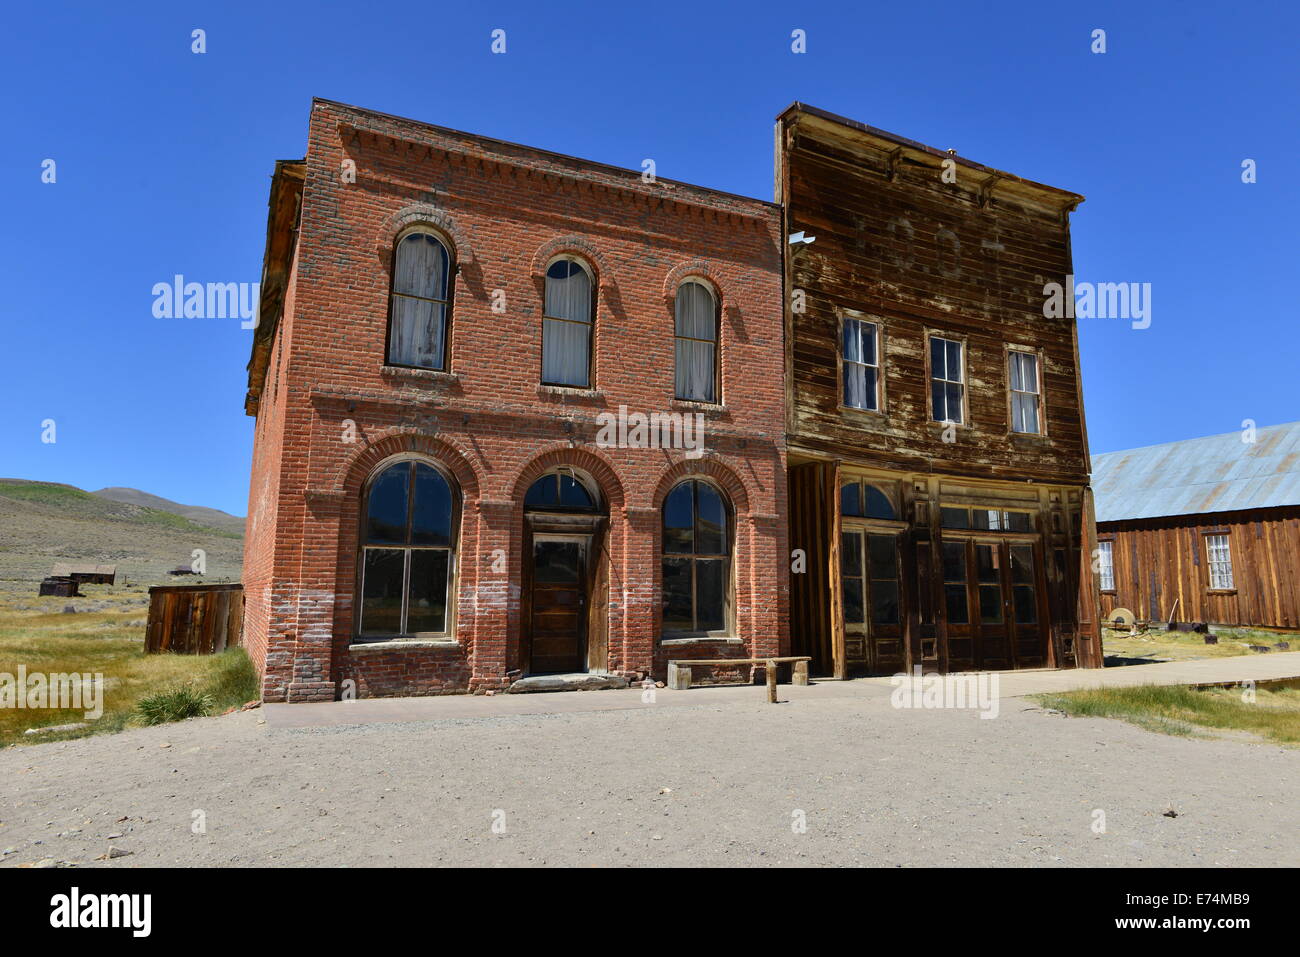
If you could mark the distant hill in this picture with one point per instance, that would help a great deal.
(46, 522)
(199, 514)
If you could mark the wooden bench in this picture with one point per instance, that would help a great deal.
(679, 671)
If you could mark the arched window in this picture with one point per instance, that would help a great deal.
(860, 499)
(696, 343)
(566, 325)
(697, 560)
(408, 552)
(560, 490)
(419, 308)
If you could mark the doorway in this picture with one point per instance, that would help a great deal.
(558, 603)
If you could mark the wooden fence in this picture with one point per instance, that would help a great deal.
(194, 619)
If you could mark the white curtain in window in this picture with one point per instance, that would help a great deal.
(419, 305)
(566, 327)
(696, 343)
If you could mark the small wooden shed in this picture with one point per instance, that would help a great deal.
(194, 619)
(62, 586)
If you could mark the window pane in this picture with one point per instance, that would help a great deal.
(568, 292)
(431, 521)
(542, 493)
(1022, 565)
(565, 347)
(710, 594)
(955, 599)
(986, 563)
(851, 499)
(852, 341)
(937, 364)
(556, 562)
(878, 504)
(694, 377)
(867, 337)
(1020, 521)
(953, 350)
(695, 312)
(954, 408)
(711, 524)
(573, 494)
(416, 335)
(954, 562)
(677, 595)
(381, 597)
(954, 517)
(851, 554)
(939, 398)
(856, 394)
(421, 268)
(991, 604)
(427, 605)
(386, 507)
(882, 556)
(853, 605)
(884, 603)
(679, 520)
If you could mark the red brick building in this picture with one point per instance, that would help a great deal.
(517, 413)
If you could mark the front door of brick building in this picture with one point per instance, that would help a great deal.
(558, 603)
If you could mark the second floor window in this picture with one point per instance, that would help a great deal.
(947, 380)
(1220, 555)
(696, 343)
(858, 342)
(1106, 565)
(1026, 393)
(566, 325)
(417, 325)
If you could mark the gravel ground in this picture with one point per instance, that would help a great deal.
(717, 784)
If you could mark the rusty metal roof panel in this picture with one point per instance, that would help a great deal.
(1217, 473)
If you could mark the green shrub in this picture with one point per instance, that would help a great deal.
(176, 704)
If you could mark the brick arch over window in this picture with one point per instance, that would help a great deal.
(422, 214)
(577, 247)
(597, 466)
(408, 442)
(696, 269)
(708, 467)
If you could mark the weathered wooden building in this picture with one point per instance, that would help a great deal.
(86, 574)
(1205, 530)
(938, 462)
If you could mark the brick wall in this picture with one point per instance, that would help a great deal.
(505, 211)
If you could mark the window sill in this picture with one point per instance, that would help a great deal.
(402, 644)
(424, 375)
(694, 405)
(560, 391)
(1221, 591)
(703, 640)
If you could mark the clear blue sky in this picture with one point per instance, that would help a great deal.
(163, 158)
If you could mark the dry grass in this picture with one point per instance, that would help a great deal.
(1188, 646)
(1273, 715)
(105, 636)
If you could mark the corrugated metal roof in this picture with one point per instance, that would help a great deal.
(1218, 473)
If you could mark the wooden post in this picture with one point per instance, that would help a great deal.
(771, 681)
(800, 673)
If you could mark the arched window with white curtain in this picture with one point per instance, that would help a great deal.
(696, 343)
(419, 303)
(567, 324)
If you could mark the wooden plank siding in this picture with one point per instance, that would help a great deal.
(194, 619)
(1162, 561)
(897, 246)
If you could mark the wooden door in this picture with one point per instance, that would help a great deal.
(870, 581)
(557, 626)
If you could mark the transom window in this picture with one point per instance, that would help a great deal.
(696, 560)
(859, 499)
(1220, 555)
(947, 380)
(408, 541)
(985, 519)
(560, 490)
(859, 342)
(696, 343)
(566, 325)
(419, 307)
(1106, 565)
(1026, 392)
